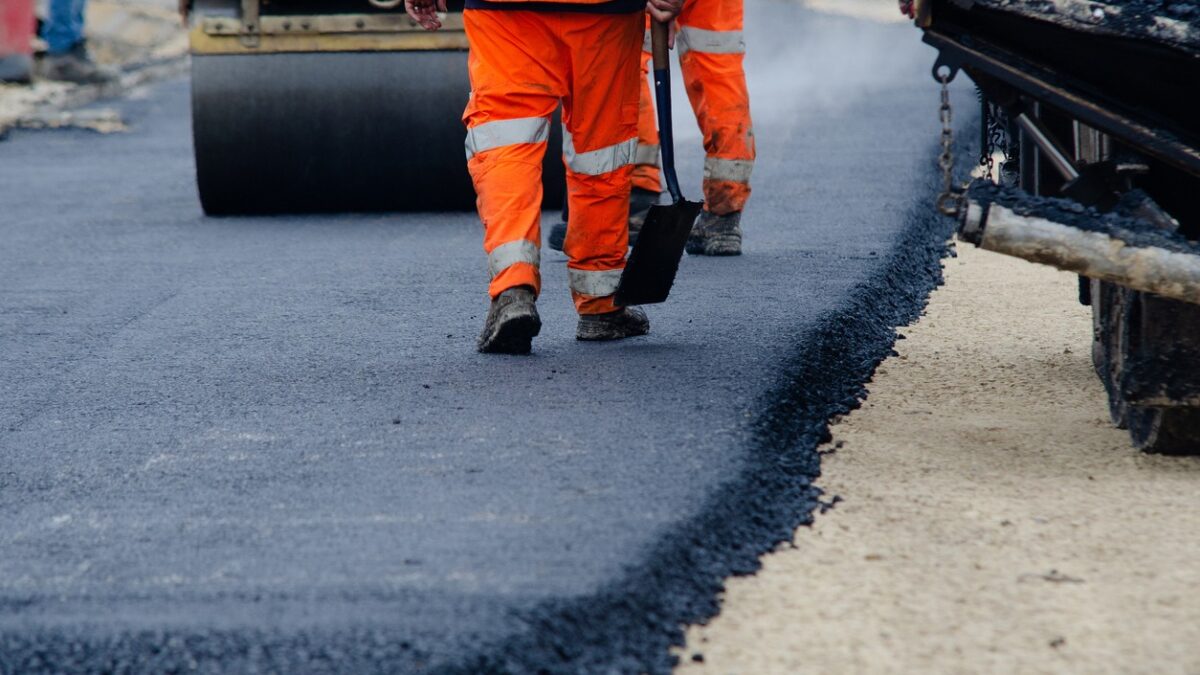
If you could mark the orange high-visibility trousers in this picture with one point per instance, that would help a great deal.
(522, 63)
(711, 51)
(646, 174)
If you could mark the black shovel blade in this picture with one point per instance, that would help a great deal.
(651, 267)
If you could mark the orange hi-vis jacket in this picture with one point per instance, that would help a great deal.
(589, 6)
(711, 50)
(523, 63)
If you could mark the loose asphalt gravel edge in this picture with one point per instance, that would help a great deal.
(632, 626)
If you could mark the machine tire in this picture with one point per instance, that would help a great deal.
(1109, 339)
(1120, 326)
(1165, 431)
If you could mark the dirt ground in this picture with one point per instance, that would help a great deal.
(992, 519)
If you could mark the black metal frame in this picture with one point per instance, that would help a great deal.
(1148, 348)
(1037, 82)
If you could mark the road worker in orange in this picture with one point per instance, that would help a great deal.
(711, 50)
(525, 58)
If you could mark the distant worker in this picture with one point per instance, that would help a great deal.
(526, 57)
(67, 58)
(16, 29)
(711, 51)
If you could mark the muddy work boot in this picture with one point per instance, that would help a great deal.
(512, 322)
(640, 202)
(716, 235)
(75, 66)
(623, 323)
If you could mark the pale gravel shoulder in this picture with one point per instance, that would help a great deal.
(993, 520)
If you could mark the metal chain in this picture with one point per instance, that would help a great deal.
(950, 200)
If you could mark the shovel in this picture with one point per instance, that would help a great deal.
(650, 270)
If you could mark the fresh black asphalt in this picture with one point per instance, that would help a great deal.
(268, 445)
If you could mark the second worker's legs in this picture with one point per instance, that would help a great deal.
(63, 28)
(711, 53)
(646, 174)
(67, 58)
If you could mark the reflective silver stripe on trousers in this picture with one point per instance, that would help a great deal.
(646, 154)
(736, 170)
(595, 284)
(710, 41)
(647, 43)
(500, 133)
(598, 162)
(505, 256)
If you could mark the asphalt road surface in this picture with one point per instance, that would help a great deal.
(268, 443)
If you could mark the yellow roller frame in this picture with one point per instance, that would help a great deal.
(325, 33)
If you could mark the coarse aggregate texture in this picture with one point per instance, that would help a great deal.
(1171, 22)
(1120, 223)
(268, 444)
(992, 519)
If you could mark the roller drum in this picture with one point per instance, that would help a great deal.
(337, 131)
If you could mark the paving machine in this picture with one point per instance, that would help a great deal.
(1090, 162)
(331, 105)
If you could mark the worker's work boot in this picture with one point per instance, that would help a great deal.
(640, 202)
(512, 322)
(623, 323)
(716, 235)
(75, 66)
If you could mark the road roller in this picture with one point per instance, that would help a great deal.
(331, 106)
(1090, 162)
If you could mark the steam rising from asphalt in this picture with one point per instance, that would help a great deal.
(782, 69)
(789, 76)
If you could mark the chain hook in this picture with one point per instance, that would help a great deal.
(949, 202)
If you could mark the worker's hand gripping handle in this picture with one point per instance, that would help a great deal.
(659, 38)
